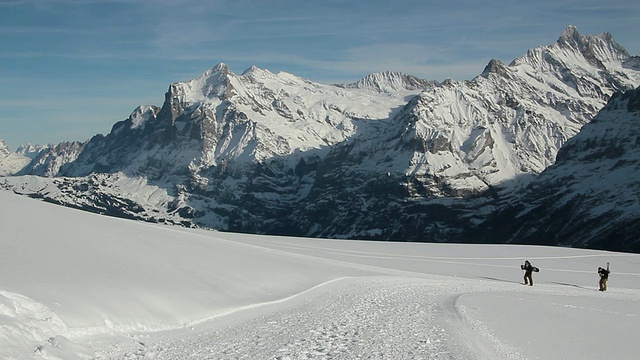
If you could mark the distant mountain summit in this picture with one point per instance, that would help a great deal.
(581, 62)
(389, 82)
(10, 162)
(226, 118)
(511, 120)
(4, 149)
(600, 50)
(390, 156)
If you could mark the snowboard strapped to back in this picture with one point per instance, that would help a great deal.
(533, 268)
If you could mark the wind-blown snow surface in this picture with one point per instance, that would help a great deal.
(76, 285)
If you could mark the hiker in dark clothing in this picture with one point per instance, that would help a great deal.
(604, 276)
(528, 270)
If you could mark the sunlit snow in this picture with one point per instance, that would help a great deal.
(76, 285)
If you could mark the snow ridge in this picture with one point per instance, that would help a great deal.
(389, 82)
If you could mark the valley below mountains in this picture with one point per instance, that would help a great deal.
(543, 150)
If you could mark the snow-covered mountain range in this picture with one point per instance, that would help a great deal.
(389, 157)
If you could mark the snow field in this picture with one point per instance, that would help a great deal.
(399, 317)
(574, 325)
(377, 317)
(75, 285)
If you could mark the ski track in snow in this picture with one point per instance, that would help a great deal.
(396, 315)
(375, 317)
(451, 259)
(354, 300)
(369, 318)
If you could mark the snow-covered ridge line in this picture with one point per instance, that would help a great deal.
(388, 157)
(389, 82)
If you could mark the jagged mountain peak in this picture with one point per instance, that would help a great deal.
(593, 66)
(251, 69)
(4, 149)
(213, 83)
(255, 71)
(141, 115)
(31, 150)
(511, 120)
(218, 83)
(571, 35)
(599, 48)
(389, 81)
(494, 67)
(599, 51)
(10, 162)
(220, 68)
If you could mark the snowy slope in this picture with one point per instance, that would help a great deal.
(84, 286)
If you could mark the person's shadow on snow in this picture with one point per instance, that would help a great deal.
(501, 280)
(572, 285)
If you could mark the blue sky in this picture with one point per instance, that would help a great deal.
(70, 69)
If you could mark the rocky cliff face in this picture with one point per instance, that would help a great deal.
(388, 157)
(590, 197)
